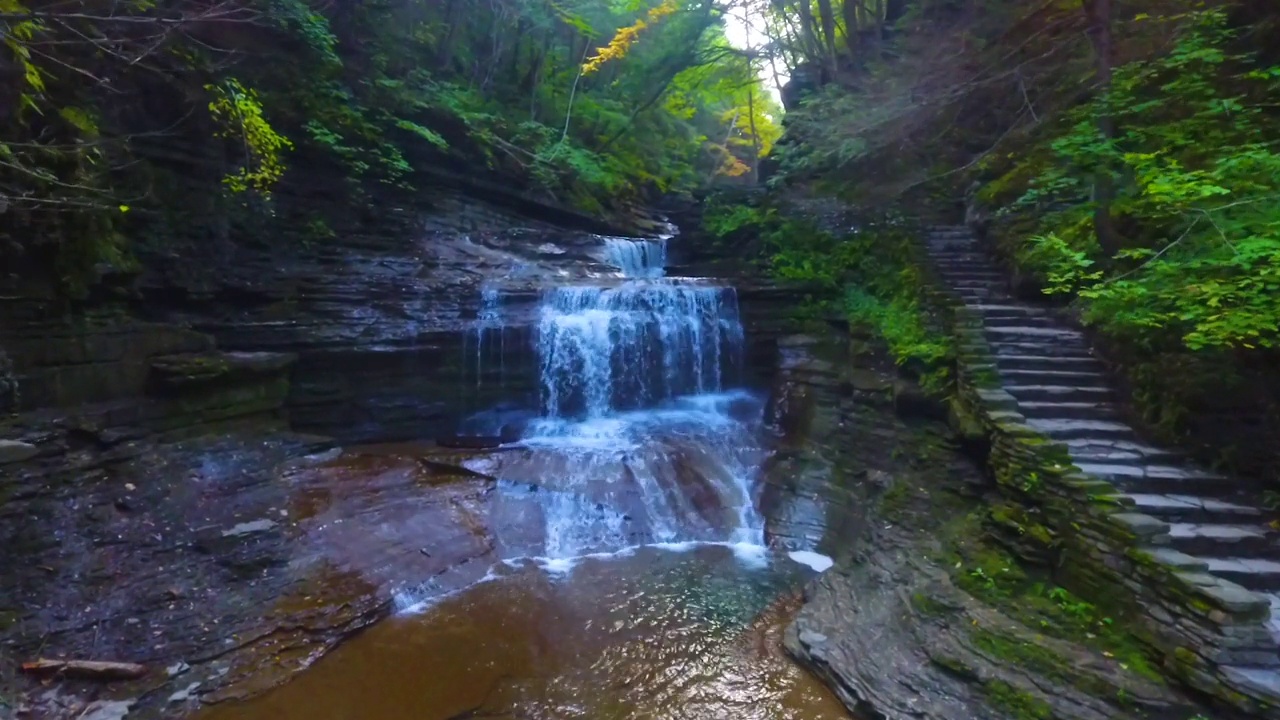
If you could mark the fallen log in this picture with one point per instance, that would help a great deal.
(86, 669)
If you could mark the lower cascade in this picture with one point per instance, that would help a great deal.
(644, 435)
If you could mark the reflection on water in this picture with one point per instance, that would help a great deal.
(655, 634)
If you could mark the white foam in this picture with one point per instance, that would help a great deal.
(676, 547)
(817, 561)
(751, 554)
(557, 566)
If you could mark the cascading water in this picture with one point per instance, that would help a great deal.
(637, 258)
(630, 346)
(639, 440)
(488, 320)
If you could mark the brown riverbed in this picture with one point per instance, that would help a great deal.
(655, 634)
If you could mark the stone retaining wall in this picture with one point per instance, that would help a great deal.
(1056, 516)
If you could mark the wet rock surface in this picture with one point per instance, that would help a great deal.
(815, 479)
(876, 484)
(178, 522)
(368, 315)
(875, 633)
(225, 564)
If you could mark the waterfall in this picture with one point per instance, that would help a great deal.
(641, 435)
(608, 349)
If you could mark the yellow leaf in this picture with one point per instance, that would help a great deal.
(625, 37)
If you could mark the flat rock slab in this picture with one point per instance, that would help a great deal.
(1118, 449)
(1190, 505)
(1220, 533)
(1265, 681)
(1035, 331)
(13, 451)
(106, 710)
(1249, 566)
(1081, 429)
(862, 633)
(233, 560)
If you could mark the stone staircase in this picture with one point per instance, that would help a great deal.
(1062, 391)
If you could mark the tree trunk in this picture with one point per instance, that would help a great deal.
(827, 17)
(444, 52)
(755, 139)
(809, 31)
(851, 26)
(1098, 13)
(513, 72)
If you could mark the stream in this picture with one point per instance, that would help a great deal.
(635, 579)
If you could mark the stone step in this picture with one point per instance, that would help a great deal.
(1039, 348)
(1123, 451)
(1161, 478)
(1068, 410)
(1084, 378)
(1096, 430)
(967, 276)
(1010, 310)
(1060, 393)
(1252, 573)
(1042, 362)
(1011, 306)
(975, 284)
(1174, 507)
(1235, 540)
(1054, 334)
(978, 270)
(990, 277)
(957, 268)
(959, 255)
(1013, 321)
(967, 266)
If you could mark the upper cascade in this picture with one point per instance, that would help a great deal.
(627, 347)
(637, 258)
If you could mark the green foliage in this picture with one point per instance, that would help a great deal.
(722, 220)
(869, 275)
(370, 96)
(1197, 183)
(996, 578)
(900, 321)
(240, 114)
(299, 19)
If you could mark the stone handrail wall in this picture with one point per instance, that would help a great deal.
(1053, 514)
